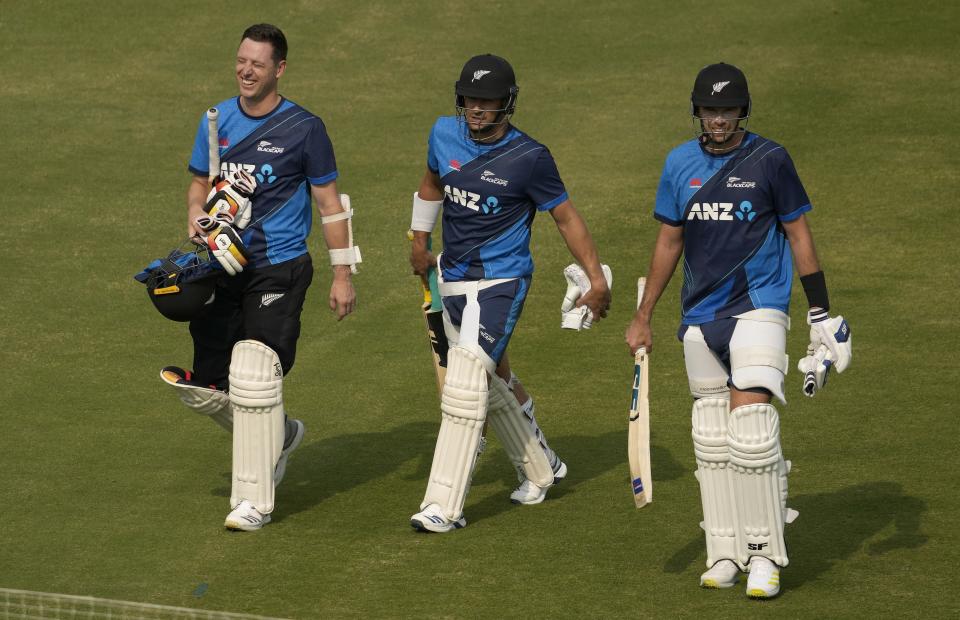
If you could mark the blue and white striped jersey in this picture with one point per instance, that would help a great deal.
(736, 256)
(285, 150)
(491, 194)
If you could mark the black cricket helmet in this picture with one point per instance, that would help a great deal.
(488, 77)
(720, 86)
(183, 283)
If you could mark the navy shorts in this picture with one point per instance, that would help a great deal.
(500, 307)
(256, 304)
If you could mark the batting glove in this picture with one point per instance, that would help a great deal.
(227, 247)
(229, 201)
(578, 284)
(833, 333)
(815, 368)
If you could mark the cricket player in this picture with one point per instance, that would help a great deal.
(489, 179)
(275, 156)
(731, 203)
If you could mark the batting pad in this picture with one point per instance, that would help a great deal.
(256, 394)
(720, 525)
(759, 481)
(206, 401)
(519, 434)
(463, 405)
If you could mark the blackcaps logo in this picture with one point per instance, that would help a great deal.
(478, 74)
(718, 86)
(737, 182)
(491, 177)
(266, 147)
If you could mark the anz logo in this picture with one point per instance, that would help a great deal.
(226, 169)
(722, 211)
(471, 200)
(264, 177)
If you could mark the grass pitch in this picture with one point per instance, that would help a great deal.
(112, 489)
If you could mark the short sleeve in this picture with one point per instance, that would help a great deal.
(200, 157)
(319, 163)
(790, 199)
(546, 189)
(666, 208)
(433, 162)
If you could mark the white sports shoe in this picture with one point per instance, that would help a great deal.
(246, 518)
(723, 574)
(432, 519)
(529, 493)
(764, 578)
(292, 441)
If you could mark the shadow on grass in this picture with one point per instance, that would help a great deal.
(322, 469)
(586, 456)
(834, 526)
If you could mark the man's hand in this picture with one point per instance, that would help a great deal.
(833, 333)
(421, 259)
(227, 247)
(815, 368)
(638, 334)
(343, 299)
(586, 299)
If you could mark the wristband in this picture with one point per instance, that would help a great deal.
(815, 288)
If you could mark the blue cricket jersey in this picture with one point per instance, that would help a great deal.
(285, 150)
(491, 194)
(736, 256)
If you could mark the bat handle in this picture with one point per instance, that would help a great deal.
(213, 144)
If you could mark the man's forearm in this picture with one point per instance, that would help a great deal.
(666, 255)
(801, 244)
(580, 243)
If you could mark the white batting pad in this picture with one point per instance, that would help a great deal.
(759, 481)
(206, 401)
(758, 355)
(256, 394)
(463, 405)
(720, 525)
(520, 435)
(706, 374)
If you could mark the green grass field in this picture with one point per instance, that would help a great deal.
(111, 488)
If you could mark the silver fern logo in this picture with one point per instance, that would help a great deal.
(718, 86)
(269, 298)
(478, 74)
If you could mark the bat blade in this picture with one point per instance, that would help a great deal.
(433, 320)
(638, 436)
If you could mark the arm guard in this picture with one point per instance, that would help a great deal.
(349, 255)
(425, 213)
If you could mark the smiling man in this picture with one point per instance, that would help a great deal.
(489, 179)
(274, 158)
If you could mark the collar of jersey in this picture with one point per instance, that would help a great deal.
(262, 116)
(748, 138)
(511, 133)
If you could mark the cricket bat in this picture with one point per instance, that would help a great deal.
(213, 145)
(638, 437)
(433, 319)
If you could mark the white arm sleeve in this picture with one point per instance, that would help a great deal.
(425, 213)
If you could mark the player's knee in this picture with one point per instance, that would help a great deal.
(759, 379)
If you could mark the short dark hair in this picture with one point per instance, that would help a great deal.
(270, 34)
